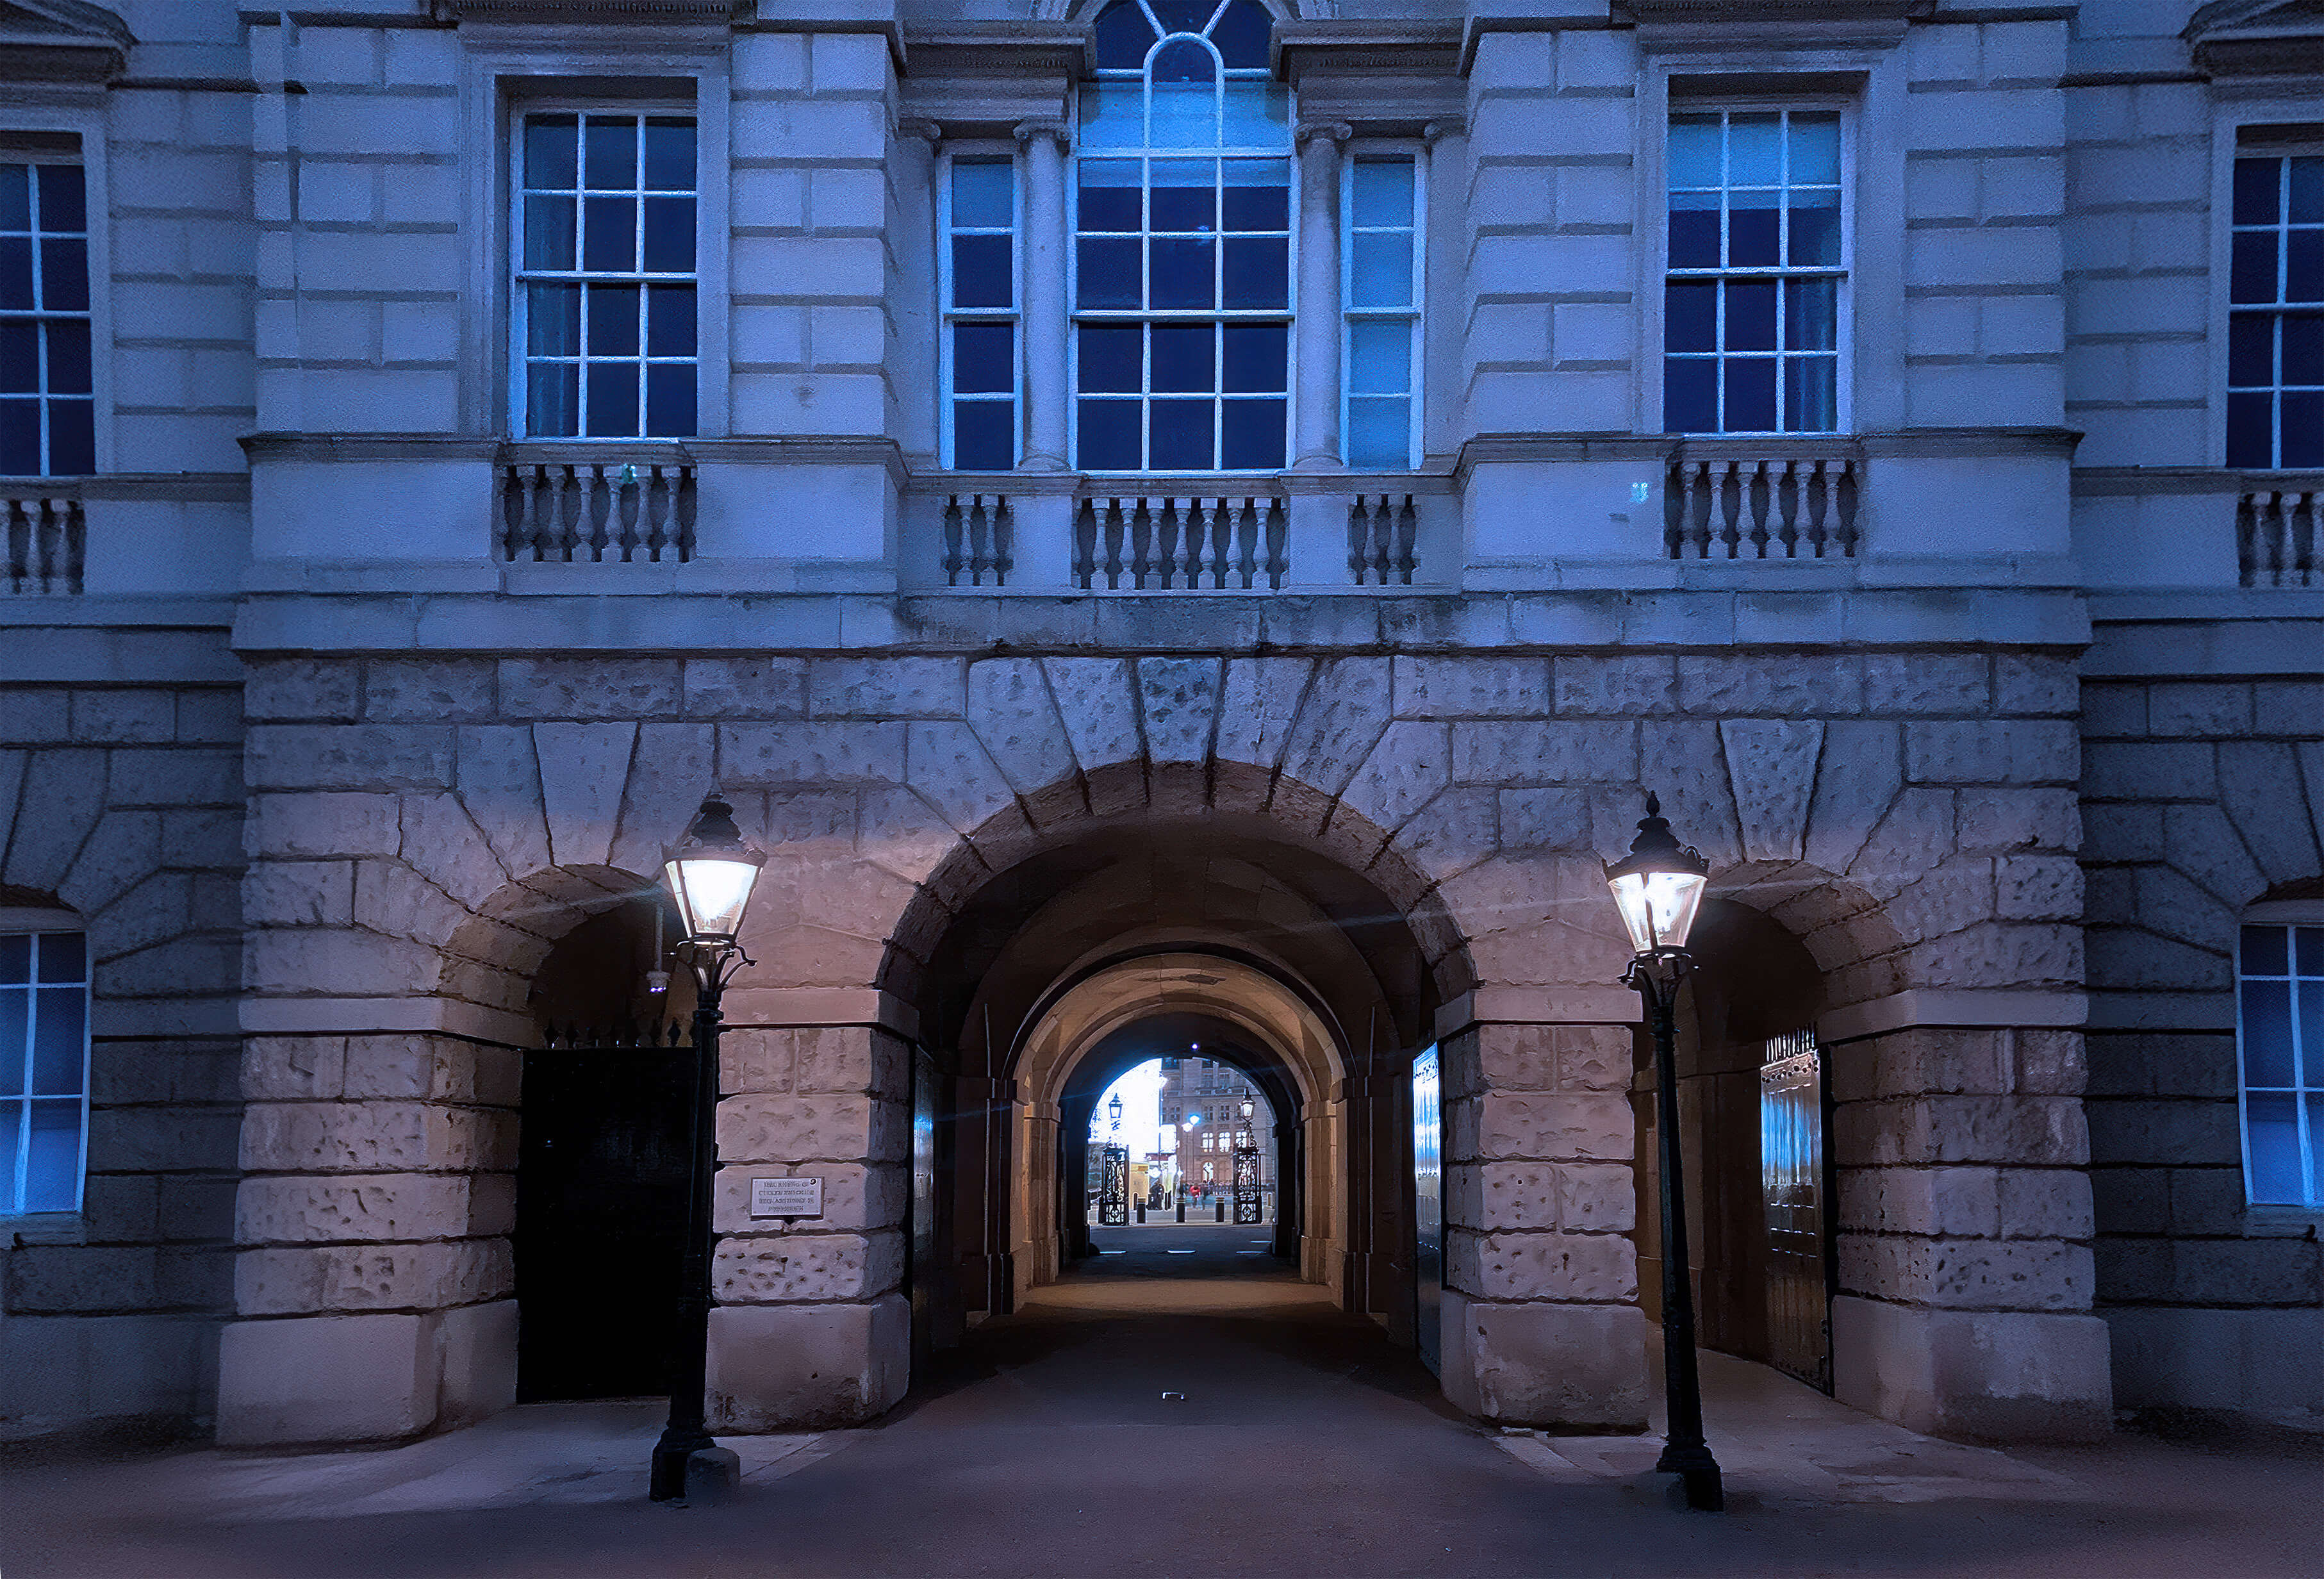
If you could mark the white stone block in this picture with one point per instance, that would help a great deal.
(333, 1379)
(2000, 1375)
(807, 1367)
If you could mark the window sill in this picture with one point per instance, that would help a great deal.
(39, 1228)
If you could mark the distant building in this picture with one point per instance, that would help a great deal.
(1213, 1092)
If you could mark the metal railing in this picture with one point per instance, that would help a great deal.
(593, 512)
(48, 539)
(2276, 536)
(1726, 504)
(1146, 542)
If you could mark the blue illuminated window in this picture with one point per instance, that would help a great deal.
(605, 315)
(1181, 268)
(979, 294)
(2275, 314)
(1751, 303)
(1380, 287)
(43, 1070)
(47, 425)
(2280, 1046)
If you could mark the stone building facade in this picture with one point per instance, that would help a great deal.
(357, 652)
(1213, 1092)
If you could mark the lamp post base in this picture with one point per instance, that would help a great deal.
(693, 1470)
(1698, 1473)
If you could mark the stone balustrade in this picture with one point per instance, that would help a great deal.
(2276, 536)
(559, 506)
(1147, 542)
(1779, 499)
(48, 539)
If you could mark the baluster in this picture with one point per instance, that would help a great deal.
(1004, 539)
(76, 545)
(1165, 545)
(980, 532)
(20, 545)
(1279, 535)
(1844, 505)
(2303, 538)
(1787, 507)
(2272, 541)
(1756, 499)
(627, 498)
(558, 529)
(1141, 542)
(1359, 527)
(952, 555)
(1191, 546)
(1673, 510)
(1084, 567)
(1819, 507)
(599, 514)
(51, 553)
(1116, 525)
(1223, 539)
(685, 514)
(512, 511)
(657, 512)
(2247, 540)
(1406, 558)
(1730, 508)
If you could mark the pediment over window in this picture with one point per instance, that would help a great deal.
(62, 40)
(2242, 38)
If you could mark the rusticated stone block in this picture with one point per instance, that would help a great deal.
(839, 1127)
(1921, 1058)
(807, 1367)
(747, 688)
(589, 687)
(2019, 818)
(1471, 688)
(373, 1136)
(371, 756)
(1983, 1274)
(1179, 699)
(111, 717)
(784, 1268)
(2039, 1130)
(1927, 682)
(2032, 683)
(1570, 1367)
(431, 690)
(298, 893)
(1544, 752)
(293, 1068)
(1583, 1267)
(2045, 1203)
(312, 1279)
(430, 1068)
(1958, 1202)
(856, 1198)
(302, 688)
(2205, 709)
(1568, 1124)
(286, 1210)
(1629, 684)
(1729, 684)
(337, 960)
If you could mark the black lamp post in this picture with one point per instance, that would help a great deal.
(1113, 1111)
(1658, 887)
(710, 875)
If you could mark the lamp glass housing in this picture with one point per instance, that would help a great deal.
(1658, 908)
(710, 875)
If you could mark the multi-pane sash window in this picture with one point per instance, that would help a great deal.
(980, 286)
(1182, 281)
(1758, 259)
(2276, 313)
(47, 425)
(43, 1070)
(605, 310)
(2280, 1038)
(1380, 286)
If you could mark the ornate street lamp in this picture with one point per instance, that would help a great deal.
(1113, 1111)
(1658, 887)
(710, 873)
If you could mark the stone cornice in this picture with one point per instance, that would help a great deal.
(2257, 38)
(62, 40)
(1000, 49)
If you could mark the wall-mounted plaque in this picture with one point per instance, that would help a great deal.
(786, 1197)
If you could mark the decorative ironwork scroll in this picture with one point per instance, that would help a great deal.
(1246, 1184)
(1113, 1186)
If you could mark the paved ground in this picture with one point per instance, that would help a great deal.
(1302, 1444)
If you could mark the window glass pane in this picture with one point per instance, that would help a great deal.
(552, 321)
(1108, 275)
(1815, 228)
(1750, 314)
(20, 356)
(610, 152)
(1258, 194)
(2251, 272)
(2307, 191)
(2311, 950)
(1814, 149)
(1811, 398)
(552, 400)
(1753, 150)
(52, 1161)
(1241, 34)
(2308, 1004)
(2315, 1149)
(548, 233)
(1382, 192)
(983, 436)
(669, 235)
(1113, 357)
(16, 957)
(20, 439)
(1114, 114)
(1184, 358)
(1184, 194)
(669, 320)
(609, 234)
(2267, 1033)
(1109, 195)
(670, 400)
(1258, 116)
(2303, 348)
(1694, 152)
(613, 399)
(1123, 37)
(612, 320)
(1751, 228)
(1183, 60)
(1690, 394)
(2251, 350)
(1379, 359)
(16, 1007)
(16, 272)
(2302, 440)
(58, 1040)
(1181, 436)
(1691, 316)
(1182, 115)
(1182, 273)
(1378, 432)
(1694, 230)
(16, 197)
(1258, 272)
(1380, 274)
(983, 358)
(2303, 266)
(72, 438)
(981, 271)
(63, 209)
(984, 194)
(1811, 314)
(63, 957)
(11, 1118)
(1107, 438)
(69, 368)
(2271, 1144)
(1751, 389)
(549, 141)
(1256, 357)
(669, 154)
(64, 275)
(2251, 430)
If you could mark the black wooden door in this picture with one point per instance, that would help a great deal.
(600, 1219)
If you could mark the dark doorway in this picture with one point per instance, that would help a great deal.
(600, 1218)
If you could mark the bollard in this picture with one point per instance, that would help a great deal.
(1182, 1211)
(1141, 1211)
(1222, 1211)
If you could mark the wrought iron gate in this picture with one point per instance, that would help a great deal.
(1428, 1207)
(1246, 1184)
(1792, 1169)
(1113, 1186)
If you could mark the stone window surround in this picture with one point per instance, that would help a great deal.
(512, 71)
(1867, 83)
(2234, 105)
(61, 109)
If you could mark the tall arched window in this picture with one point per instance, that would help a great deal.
(1181, 268)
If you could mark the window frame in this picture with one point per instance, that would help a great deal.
(983, 151)
(2307, 1089)
(2308, 146)
(1145, 154)
(1413, 150)
(24, 922)
(1809, 100)
(89, 128)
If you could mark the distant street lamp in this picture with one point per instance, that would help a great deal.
(1658, 888)
(1113, 1111)
(710, 874)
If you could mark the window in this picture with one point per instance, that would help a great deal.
(2280, 1044)
(43, 1070)
(980, 284)
(604, 304)
(1182, 257)
(1751, 304)
(48, 421)
(1380, 266)
(2276, 312)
